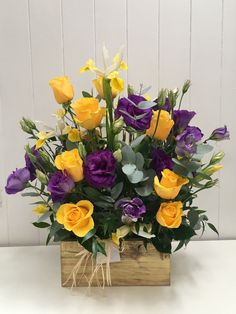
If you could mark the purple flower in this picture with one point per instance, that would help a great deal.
(182, 119)
(60, 185)
(166, 106)
(220, 134)
(186, 141)
(132, 209)
(99, 169)
(161, 161)
(29, 165)
(17, 181)
(128, 109)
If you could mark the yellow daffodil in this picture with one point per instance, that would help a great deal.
(74, 135)
(60, 113)
(43, 137)
(40, 209)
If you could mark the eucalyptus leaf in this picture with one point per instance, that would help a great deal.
(31, 194)
(139, 161)
(138, 140)
(55, 227)
(129, 169)
(45, 216)
(136, 177)
(146, 104)
(128, 155)
(116, 190)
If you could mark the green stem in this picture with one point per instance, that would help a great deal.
(180, 102)
(109, 113)
(158, 118)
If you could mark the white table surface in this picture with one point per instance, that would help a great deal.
(203, 281)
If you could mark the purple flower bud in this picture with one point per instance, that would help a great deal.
(99, 169)
(29, 165)
(182, 119)
(186, 141)
(220, 134)
(129, 111)
(60, 185)
(132, 209)
(161, 161)
(17, 181)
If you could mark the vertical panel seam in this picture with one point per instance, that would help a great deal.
(221, 100)
(158, 44)
(190, 47)
(94, 30)
(31, 72)
(127, 36)
(62, 37)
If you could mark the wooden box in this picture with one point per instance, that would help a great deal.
(137, 267)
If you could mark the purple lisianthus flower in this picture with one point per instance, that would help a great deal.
(166, 106)
(17, 181)
(186, 141)
(161, 161)
(60, 185)
(182, 119)
(132, 209)
(99, 169)
(29, 165)
(128, 109)
(220, 134)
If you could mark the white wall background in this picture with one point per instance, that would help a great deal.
(167, 41)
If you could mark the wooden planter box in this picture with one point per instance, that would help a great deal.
(137, 266)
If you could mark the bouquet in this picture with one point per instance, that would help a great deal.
(118, 165)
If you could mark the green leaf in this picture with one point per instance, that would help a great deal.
(102, 204)
(92, 193)
(45, 216)
(193, 217)
(106, 198)
(139, 161)
(31, 194)
(138, 140)
(94, 248)
(128, 169)
(203, 149)
(183, 232)
(61, 235)
(70, 145)
(213, 228)
(136, 177)
(41, 224)
(55, 227)
(128, 155)
(180, 245)
(146, 104)
(116, 190)
(89, 235)
(86, 94)
(101, 248)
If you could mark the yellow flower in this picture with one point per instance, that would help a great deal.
(71, 162)
(117, 86)
(60, 113)
(170, 184)
(62, 89)
(42, 137)
(108, 69)
(161, 130)
(88, 112)
(170, 214)
(209, 171)
(74, 135)
(40, 209)
(76, 217)
(120, 233)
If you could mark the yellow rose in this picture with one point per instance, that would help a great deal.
(88, 112)
(62, 89)
(117, 86)
(170, 214)
(164, 126)
(71, 162)
(76, 217)
(169, 185)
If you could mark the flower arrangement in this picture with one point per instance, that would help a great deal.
(118, 167)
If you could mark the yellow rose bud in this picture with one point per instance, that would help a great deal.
(71, 162)
(169, 185)
(170, 214)
(76, 217)
(62, 89)
(161, 130)
(88, 112)
(117, 86)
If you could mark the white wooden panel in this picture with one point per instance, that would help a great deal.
(110, 27)
(174, 49)
(227, 218)
(142, 43)
(47, 59)
(16, 96)
(206, 82)
(79, 44)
